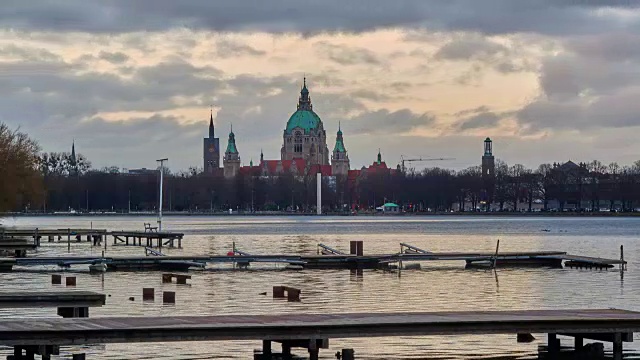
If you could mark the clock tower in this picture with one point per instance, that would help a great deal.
(211, 152)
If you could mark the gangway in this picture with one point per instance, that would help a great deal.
(326, 250)
(410, 249)
(148, 251)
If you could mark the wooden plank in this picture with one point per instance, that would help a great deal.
(305, 326)
(24, 299)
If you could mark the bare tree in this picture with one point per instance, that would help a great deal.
(21, 182)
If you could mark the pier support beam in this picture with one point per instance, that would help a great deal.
(266, 348)
(617, 346)
(578, 343)
(553, 345)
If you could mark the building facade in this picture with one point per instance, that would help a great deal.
(304, 136)
(339, 158)
(211, 150)
(231, 158)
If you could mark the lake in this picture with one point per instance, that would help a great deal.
(441, 286)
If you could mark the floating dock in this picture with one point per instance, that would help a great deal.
(315, 330)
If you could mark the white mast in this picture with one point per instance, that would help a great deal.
(160, 197)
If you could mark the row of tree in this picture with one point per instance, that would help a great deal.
(581, 187)
(36, 181)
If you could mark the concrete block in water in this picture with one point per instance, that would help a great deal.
(278, 291)
(56, 279)
(148, 294)
(71, 281)
(169, 297)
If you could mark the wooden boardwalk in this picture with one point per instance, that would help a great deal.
(616, 324)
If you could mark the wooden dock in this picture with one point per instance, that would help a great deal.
(23, 299)
(336, 261)
(290, 329)
(147, 238)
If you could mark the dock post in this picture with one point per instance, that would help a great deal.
(68, 240)
(622, 266)
(617, 346)
(266, 348)
(78, 356)
(553, 345)
(578, 343)
(286, 350)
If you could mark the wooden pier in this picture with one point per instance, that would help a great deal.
(147, 238)
(70, 304)
(315, 330)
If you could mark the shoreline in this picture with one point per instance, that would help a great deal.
(418, 214)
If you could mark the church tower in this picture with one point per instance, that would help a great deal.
(339, 158)
(211, 150)
(231, 158)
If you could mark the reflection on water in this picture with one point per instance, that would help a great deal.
(434, 287)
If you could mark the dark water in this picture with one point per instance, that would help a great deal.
(436, 287)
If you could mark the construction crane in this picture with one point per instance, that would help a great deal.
(421, 159)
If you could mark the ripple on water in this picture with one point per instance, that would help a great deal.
(435, 287)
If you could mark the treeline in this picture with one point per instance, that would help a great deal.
(48, 182)
(581, 187)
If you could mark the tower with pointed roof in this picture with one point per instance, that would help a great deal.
(74, 161)
(231, 160)
(488, 174)
(339, 158)
(211, 150)
(304, 136)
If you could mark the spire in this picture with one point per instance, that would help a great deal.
(261, 156)
(379, 157)
(211, 130)
(231, 144)
(73, 151)
(339, 148)
(304, 103)
(251, 163)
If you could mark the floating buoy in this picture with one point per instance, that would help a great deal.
(230, 253)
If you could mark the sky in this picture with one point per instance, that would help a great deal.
(134, 81)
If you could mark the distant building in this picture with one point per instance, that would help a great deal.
(211, 150)
(304, 136)
(142, 171)
(488, 175)
(339, 158)
(231, 157)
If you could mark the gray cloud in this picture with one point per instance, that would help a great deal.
(228, 49)
(469, 48)
(346, 55)
(386, 122)
(484, 119)
(490, 16)
(113, 57)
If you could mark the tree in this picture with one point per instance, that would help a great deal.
(21, 181)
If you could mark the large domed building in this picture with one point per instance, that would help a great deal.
(304, 137)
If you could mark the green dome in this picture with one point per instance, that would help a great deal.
(307, 120)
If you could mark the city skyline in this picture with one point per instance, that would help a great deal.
(420, 79)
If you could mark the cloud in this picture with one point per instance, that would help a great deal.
(469, 48)
(346, 55)
(489, 16)
(484, 119)
(113, 57)
(386, 122)
(230, 49)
